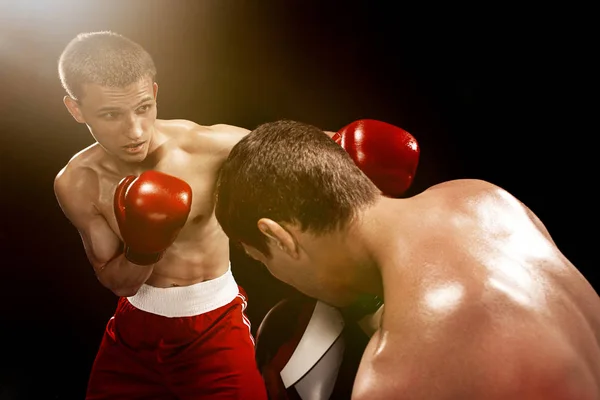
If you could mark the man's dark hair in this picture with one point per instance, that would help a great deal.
(105, 58)
(290, 172)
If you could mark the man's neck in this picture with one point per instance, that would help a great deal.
(366, 244)
(357, 249)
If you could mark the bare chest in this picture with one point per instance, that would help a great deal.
(198, 171)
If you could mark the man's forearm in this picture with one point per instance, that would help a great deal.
(122, 277)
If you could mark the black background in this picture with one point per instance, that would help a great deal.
(489, 95)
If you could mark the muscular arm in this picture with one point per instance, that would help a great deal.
(75, 191)
(226, 137)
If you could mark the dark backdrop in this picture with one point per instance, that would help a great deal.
(489, 96)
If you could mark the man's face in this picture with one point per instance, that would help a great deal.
(120, 119)
(316, 281)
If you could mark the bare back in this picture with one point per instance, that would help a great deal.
(483, 305)
(189, 152)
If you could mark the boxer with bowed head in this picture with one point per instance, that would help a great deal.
(142, 199)
(479, 301)
(308, 350)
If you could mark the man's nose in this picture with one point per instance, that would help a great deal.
(134, 128)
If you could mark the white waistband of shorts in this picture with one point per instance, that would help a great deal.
(186, 301)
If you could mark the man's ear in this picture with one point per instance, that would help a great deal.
(155, 88)
(74, 109)
(282, 238)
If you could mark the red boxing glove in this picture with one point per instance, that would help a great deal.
(151, 210)
(388, 155)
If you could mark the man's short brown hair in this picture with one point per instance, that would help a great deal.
(290, 172)
(105, 58)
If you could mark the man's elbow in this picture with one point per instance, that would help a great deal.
(119, 289)
(125, 291)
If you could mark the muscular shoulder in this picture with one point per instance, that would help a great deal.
(193, 138)
(473, 197)
(77, 182)
(81, 167)
(485, 201)
(464, 187)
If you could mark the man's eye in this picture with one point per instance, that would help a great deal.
(110, 115)
(144, 108)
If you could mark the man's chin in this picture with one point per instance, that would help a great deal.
(133, 158)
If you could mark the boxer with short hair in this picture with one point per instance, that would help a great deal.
(141, 198)
(480, 303)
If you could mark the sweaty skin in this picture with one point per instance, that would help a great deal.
(86, 185)
(480, 303)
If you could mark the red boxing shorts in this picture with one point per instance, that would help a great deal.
(191, 342)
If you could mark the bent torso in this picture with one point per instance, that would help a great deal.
(201, 249)
(490, 296)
